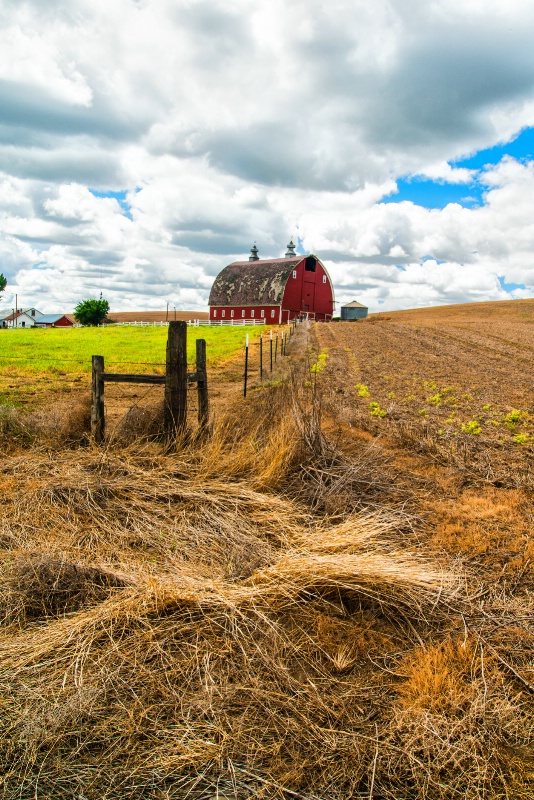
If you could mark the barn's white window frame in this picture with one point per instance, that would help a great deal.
(294, 273)
(252, 312)
(232, 312)
(243, 312)
(324, 278)
(262, 313)
(272, 312)
(214, 313)
(223, 313)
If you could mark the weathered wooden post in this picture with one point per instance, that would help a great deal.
(175, 404)
(97, 399)
(202, 385)
(276, 349)
(261, 356)
(245, 376)
(271, 347)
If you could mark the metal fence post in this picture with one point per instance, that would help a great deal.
(246, 368)
(202, 385)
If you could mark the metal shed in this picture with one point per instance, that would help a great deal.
(354, 310)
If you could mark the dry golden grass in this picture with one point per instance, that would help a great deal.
(254, 615)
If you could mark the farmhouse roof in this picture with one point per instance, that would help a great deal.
(15, 315)
(354, 304)
(249, 283)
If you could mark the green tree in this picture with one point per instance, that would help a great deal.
(91, 312)
(3, 283)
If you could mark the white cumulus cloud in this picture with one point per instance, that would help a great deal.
(213, 125)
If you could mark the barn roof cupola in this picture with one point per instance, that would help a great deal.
(254, 253)
(291, 250)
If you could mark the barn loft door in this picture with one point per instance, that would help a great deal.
(308, 284)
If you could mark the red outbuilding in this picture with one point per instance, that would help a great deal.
(53, 321)
(276, 290)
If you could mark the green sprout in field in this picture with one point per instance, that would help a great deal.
(320, 364)
(448, 396)
(435, 399)
(512, 419)
(472, 428)
(423, 412)
(362, 389)
(391, 395)
(375, 410)
(523, 438)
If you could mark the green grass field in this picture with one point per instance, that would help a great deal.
(35, 359)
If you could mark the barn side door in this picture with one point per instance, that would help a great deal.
(308, 284)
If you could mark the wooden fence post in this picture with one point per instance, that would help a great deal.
(202, 385)
(175, 406)
(261, 356)
(97, 399)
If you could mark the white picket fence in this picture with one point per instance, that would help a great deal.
(197, 322)
(192, 322)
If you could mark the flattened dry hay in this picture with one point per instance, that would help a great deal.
(209, 624)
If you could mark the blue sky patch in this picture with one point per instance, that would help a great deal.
(120, 197)
(438, 194)
(435, 194)
(431, 258)
(521, 148)
(509, 287)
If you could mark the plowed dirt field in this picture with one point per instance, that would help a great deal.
(447, 393)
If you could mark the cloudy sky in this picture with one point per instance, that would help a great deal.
(145, 144)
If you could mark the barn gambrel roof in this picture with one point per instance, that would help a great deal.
(252, 283)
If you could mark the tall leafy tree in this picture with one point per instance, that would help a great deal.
(3, 283)
(91, 312)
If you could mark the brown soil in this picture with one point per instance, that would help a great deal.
(456, 388)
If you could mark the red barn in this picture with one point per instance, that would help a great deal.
(274, 289)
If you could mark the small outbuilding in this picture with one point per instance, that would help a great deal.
(273, 290)
(354, 310)
(54, 321)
